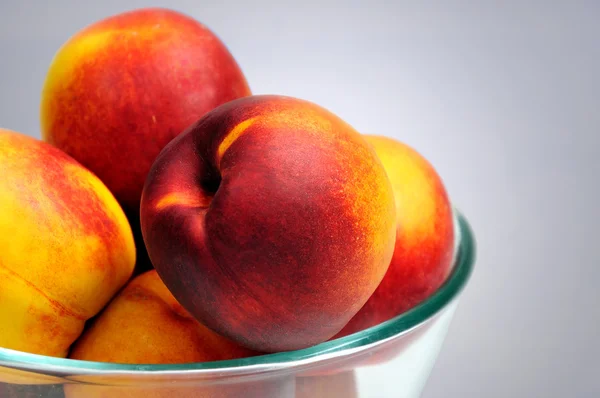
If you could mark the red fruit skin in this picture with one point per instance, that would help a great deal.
(120, 89)
(271, 220)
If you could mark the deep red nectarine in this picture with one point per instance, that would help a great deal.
(271, 220)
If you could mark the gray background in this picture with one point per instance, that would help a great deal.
(502, 99)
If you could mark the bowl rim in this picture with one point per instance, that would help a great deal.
(464, 258)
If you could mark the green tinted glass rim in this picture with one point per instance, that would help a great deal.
(462, 270)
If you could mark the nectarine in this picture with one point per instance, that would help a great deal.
(144, 324)
(271, 220)
(424, 238)
(120, 89)
(66, 246)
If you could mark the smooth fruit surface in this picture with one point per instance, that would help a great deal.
(271, 220)
(66, 246)
(120, 89)
(145, 324)
(424, 246)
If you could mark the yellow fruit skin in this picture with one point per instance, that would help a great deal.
(145, 324)
(66, 246)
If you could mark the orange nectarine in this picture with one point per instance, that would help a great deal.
(144, 324)
(66, 246)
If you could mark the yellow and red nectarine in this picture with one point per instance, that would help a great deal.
(66, 246)
(120, 89)
(424, 238)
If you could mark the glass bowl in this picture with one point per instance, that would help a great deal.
(392, 359)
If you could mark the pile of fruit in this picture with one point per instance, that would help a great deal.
(168, 215)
